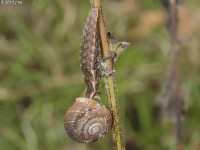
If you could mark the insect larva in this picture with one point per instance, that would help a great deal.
(90, 54)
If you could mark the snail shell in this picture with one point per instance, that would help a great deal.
(87, 121)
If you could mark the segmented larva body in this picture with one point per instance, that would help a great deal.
(90, 54)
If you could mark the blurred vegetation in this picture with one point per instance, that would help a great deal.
(40, 75)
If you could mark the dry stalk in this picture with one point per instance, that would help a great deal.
(172, 10)
(109, 80)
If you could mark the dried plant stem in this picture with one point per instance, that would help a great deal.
(109, 80)
(173, 23)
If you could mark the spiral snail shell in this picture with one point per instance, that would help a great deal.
(87, 121)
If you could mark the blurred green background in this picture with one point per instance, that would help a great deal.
(40, 76)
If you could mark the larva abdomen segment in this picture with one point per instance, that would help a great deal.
(90, 54)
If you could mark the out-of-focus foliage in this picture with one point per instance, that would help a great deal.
(40, 75)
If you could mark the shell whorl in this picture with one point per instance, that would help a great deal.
(87, 121)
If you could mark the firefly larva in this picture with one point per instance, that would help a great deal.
(90, 54)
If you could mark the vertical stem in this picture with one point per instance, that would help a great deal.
(109, 81)
(173, 14)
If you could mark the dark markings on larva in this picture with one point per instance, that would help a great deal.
(90, 54)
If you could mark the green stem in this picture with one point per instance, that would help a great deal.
(110, 80)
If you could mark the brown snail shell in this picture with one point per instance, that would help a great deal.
(87, 121)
